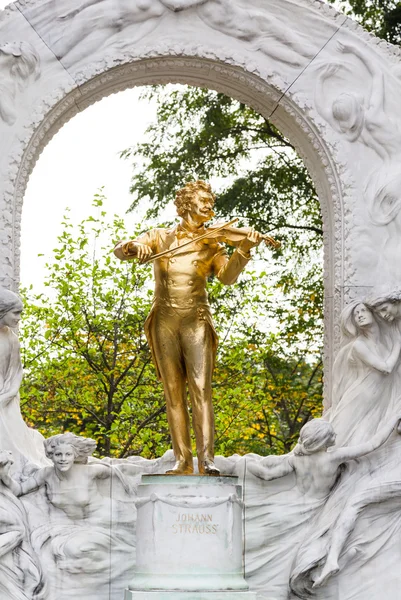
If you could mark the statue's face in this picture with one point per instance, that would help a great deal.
(64, 457)
(363, 315)
(388, 311)
(12, 318)
(202, 206)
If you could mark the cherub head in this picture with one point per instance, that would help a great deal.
(314, 436)
(65, 449)
(10, 308)
(349, 114)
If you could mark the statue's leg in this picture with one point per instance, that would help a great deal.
(347, 521)
(10, 540)
(198, 348)
(168, 354)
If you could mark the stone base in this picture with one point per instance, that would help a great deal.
(189, 538)
(174, 595)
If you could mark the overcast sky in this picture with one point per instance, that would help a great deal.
(80, 159)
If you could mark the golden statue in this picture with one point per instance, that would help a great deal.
(179, 327)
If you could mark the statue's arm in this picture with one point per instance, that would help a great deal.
(371, 359)
(71, 14)
(177, 5)
(272, 467)
(30, 485)
(228, 270)
(141, 248)
(376, 99)
(324, 106)
(348, 453)
(107, 471)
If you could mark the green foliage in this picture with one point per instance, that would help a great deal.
(381, 17)
(88, 367)
(266, 384)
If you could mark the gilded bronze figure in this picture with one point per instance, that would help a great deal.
(179, 328)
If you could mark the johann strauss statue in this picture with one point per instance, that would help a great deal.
(179, 327)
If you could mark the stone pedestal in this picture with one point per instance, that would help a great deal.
(189, 539)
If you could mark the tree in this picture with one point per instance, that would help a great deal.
(88, 367)
(381, 17)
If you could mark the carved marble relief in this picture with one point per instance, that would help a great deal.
(340, 105)
(19, 64)
(361, 115)
(25, 443)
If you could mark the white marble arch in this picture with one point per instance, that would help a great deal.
(287, 59)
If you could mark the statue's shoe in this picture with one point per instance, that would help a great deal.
(181, 468)
(207, 467)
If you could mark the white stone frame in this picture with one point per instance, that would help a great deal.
(182, 47)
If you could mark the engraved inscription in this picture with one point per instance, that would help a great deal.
(195, 523)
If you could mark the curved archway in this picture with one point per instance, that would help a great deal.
(271, 58)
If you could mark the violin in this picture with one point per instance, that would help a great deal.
(234, 235)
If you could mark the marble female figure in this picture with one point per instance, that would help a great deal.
(77, 529)
(20, 572)
(316, 471)
(363, 375)
(25, 443)
(70, 483)
(357, 117)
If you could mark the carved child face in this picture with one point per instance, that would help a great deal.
(202, 206)
(363, 316)
(63, 458)
(12, 318)
(388, 311)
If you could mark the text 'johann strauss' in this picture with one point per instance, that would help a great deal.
(195, 523)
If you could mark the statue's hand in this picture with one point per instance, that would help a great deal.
(253, 239)
(143, 252)
(329, 70)
(6, 460)
(345, 48)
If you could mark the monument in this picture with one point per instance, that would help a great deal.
(183, 342)
(333, 90)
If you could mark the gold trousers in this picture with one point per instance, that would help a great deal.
(183, 344)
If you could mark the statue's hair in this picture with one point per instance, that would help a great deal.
(349, 325)
(392, 297)
(183, 198)
(313, 436)
(82, 447)
(26, 60)
(9, 301)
